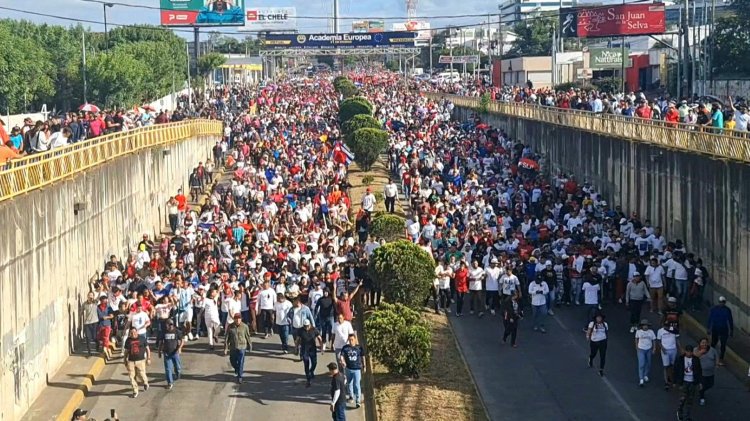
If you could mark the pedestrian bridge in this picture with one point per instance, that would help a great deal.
(63, 213)
(691, 183)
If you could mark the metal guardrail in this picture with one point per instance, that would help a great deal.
(32, 172)
(723, 145)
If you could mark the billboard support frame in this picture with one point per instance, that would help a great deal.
(297, 52)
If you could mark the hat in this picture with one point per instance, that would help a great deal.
(306, 322)
(723, 299)
(332, 366)
(672, 300)
(78, 413)
(636, 274)
(494, 260)
(623, 220)
(548, 263)
(645, 322)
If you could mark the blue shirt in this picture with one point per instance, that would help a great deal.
(718, 119)
(720, 319)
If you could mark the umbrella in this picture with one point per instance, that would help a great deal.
(482, 126)
(148, 107)
(528, 164)
(89, 108)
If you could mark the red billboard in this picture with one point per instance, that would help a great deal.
(613, 20)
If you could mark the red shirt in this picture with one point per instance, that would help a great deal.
(181, 202)
(345, 307)
(461, 276)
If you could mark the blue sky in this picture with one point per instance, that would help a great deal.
(347, 8)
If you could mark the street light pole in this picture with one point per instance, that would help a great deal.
(106, 32)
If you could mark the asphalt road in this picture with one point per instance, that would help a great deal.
(273, 388)
(547, 378)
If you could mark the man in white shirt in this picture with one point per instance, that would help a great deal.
(140, 320)
(265, 308)
(538, 291)
(281, 310)
(443, 275)
(413, 228)
(591, 290)
(341, 331)
(476, 274)
(510, 284)
(492, 276)
(391, 195)
(368, 201)
(668, 343)
(655, 278)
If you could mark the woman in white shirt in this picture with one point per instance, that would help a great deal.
(644, 345)
(211, 317)
(597, 336)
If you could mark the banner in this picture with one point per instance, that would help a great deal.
(614, 20)
(202, 12)
(608, 58)
(458, 60)
(344, 41)
(422, 28)
(270, 19)
(368, 26)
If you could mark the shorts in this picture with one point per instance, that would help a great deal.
(185, 316)
(103, 335)
(668, 356)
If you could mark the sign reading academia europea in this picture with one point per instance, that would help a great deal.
(608, 58)
(351, 40)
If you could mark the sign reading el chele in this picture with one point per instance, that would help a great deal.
(270, 19)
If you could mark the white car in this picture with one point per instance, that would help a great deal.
(447, 77)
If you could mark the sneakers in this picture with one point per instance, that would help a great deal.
(357, 405)
(702, 402)
(145, 387)
(543, 330)
(492, 312)
(666, 386)
(679, 415)
(170, 386)
(135, 394)
(590, 362)
(645, 379)
(601, 373)
(459, 314)
(632, 329)
(265, 336)
(551, 313)
(324, 348)
(481, 314)
(640, 383)
(190, 336)
(471, 312)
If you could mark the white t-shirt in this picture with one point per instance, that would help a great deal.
(138, 321)
(538, 299)
(282, 309)
(645, 338)
(668, 339)
(598, 331)
(493, 276)
(510, 284)
(266, 299)
(341, 332)
(654, 276)
(688, 376)
(590, 293)
(475, 279)
(443, 275)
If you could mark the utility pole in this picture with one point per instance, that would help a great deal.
(679, 57)
(335, 16)
(106, 32)
(187, 63)
(430, 56)
(694, 56)
(686, 52)
(489, 46)
(554, 56)
(83, 50)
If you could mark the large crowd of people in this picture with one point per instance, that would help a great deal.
(274, 250)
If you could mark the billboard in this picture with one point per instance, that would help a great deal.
(458, 59)
(368, 26)
(270, 19)
(202, 12)
(344, 41)
(608, 58)
(422, 28)
(613, 20)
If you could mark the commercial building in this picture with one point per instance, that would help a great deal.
(512, 11)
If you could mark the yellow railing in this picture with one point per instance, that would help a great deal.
(723, 145)
(32, 172)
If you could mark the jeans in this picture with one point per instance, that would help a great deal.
(550, 299)
(682, 290)
(511, 329)
(708, 382)
(539, 312)
(720, 335)
(644, 362)
(575, 290)
(445, 299)
(172, 367)
(475, 300)
(90, 332)
(590, 312)
(326, 328)
(310, 361)
(339, 412)
(635, 311)
(237, 359)
(390, 204)
(174, 220)
(353, 380)
(284, 335)
(460, 302)
(492, 299)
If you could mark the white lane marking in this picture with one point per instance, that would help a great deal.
(230, 409)
(611, 387)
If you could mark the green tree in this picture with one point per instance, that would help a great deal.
(346, 88)
(367, 144)
(387, 226)
(27, 71)
(353, 106)
(359, 121)
(731, 41)
(403, 271)
(208, 62)
(399, 338)
(534, 38)
(118, 78)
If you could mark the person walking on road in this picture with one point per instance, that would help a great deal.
(635, 294)
(238, 342)
(341, 331)
(309, 341)
(90, 322)
(597, 334)
(538, 292)
(281, 310)
(476, 299)
(338, 393)
(170, 346)
(211, 317)
(709, 357)
(668, 344)
(353, 359)
(391, 195)
(137, 356)
(688, 375)
(644, 345)
(512, 314)
(720, 326)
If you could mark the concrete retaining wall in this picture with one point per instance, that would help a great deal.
(705, 202)
(48, 254)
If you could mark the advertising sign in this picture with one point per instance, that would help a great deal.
(343, 41)
(613, 20)
(458, 59)
(584, 73)
(202, 12)
(368, 26)
(270, 19)
(608, 58)
(422, 28)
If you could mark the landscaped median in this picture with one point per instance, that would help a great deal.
(444, 388)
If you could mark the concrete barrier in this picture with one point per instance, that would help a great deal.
(50, 251)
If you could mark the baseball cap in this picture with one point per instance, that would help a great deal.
(672, 299)
(723, 299)
(78, 413)
(306, 323)
(237, 316)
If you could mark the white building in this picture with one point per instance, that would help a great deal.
(513, 11)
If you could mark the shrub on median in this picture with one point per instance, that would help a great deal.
(389, 227)
(353, 106)
(359, 121)
(399, 338)
(403, 271)
(367, 144)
